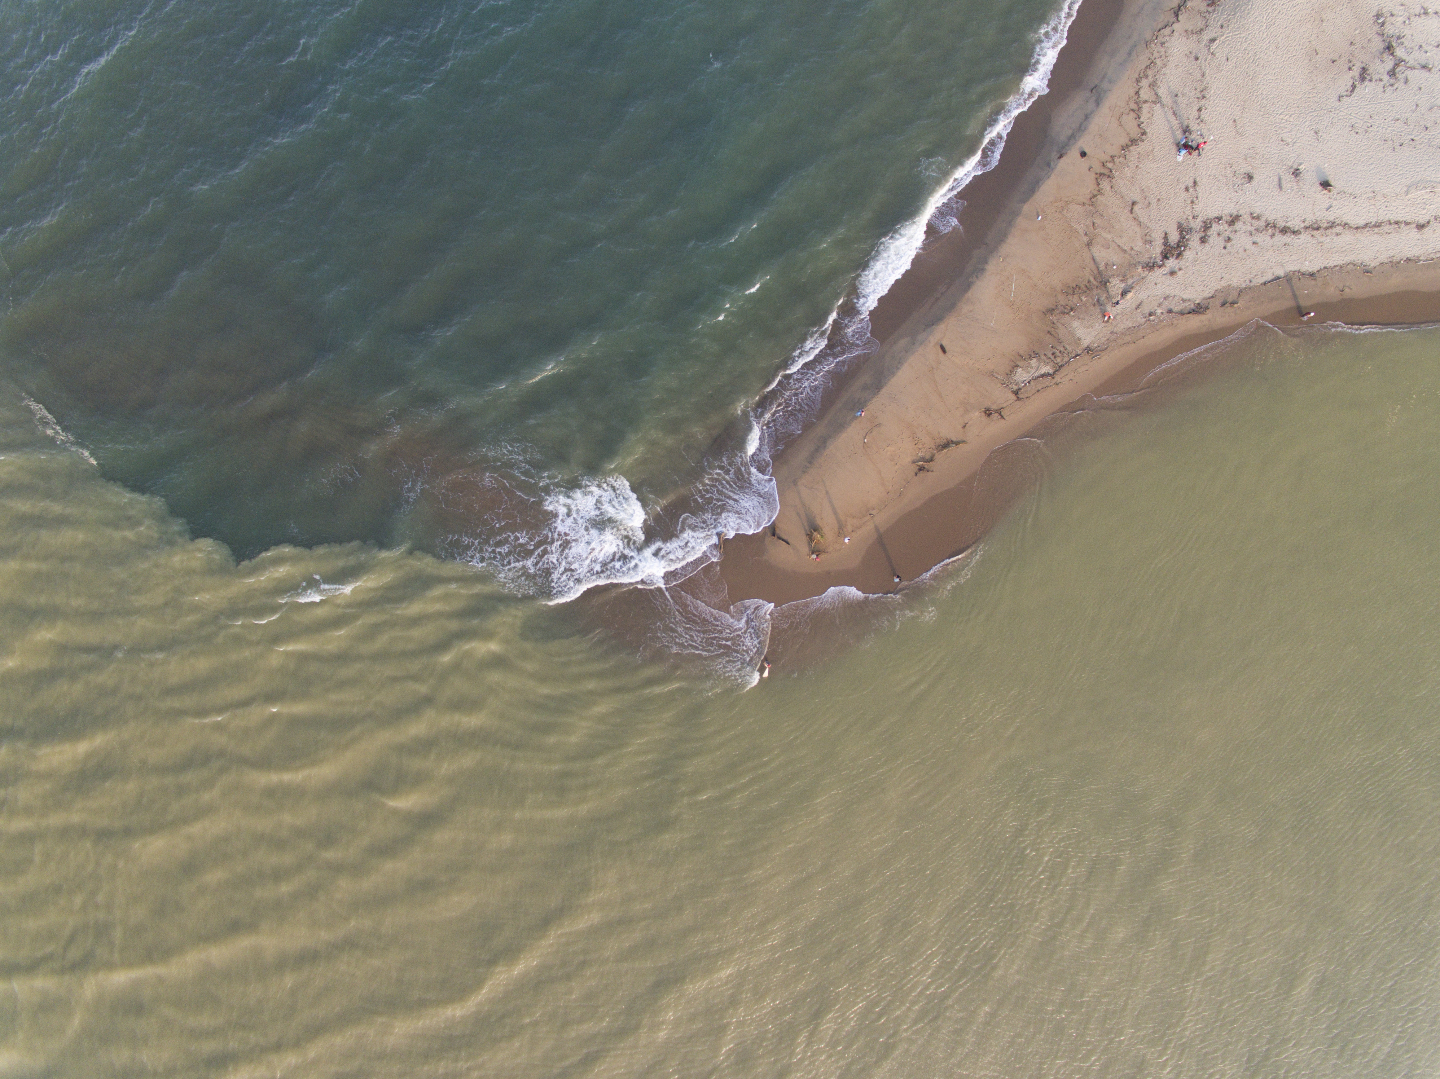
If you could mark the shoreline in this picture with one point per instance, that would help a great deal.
(1099, 36)
(920, 535)
(902, 460)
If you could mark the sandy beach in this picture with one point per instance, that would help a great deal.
(1095, 252)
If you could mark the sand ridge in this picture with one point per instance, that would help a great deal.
(1316, 190)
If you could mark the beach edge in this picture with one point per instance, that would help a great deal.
(852, 517)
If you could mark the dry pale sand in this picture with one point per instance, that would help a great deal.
(1315, 193)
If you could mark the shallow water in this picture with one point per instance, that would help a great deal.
(1148, 786)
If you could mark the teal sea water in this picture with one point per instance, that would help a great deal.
(339, 338)
(497, 280)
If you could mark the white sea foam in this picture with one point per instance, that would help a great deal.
(752, 438)
(87, 72)
(791, 400)
(49, 426)
(730, 641)
(595, 531)
(947, 214)
(809, 348)
(314, 593)
(897, 251)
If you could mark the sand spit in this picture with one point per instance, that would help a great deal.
(1314, 196)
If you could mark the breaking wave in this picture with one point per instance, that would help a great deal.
(49, 426)
(558, 540)
(795, 397)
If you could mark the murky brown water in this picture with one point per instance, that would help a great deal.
(1149, 788)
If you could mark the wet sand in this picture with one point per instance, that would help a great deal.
(994, 331)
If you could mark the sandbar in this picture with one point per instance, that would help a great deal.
(1094, 253)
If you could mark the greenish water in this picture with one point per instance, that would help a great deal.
(493, 279)
(1150, 786)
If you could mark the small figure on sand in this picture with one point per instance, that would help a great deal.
(897, 578)
(860, 413)
(816, 536)
(764, 668)
(1189, 146)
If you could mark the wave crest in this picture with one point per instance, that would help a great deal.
(571, 537)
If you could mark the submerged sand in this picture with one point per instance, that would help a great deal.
(1313, 197)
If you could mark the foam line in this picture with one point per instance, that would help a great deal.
(897, 251)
